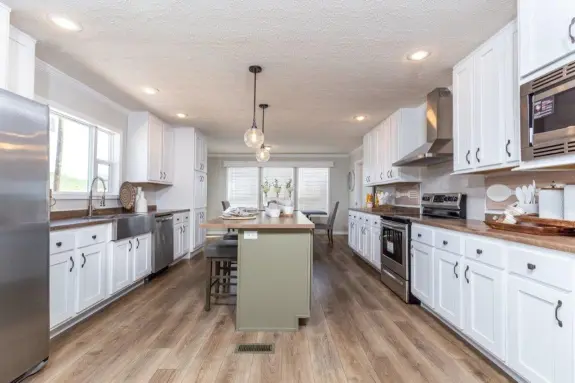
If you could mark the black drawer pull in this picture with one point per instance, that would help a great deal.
(84, 257)
(94, 236)
(479, 251)
(58, 244)
(444, 243)
(419, 235)
(72, 267)
(531, 266)
(455, 267)
(559, 322)
(467, 157)
(465, 275)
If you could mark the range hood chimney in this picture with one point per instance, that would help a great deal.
(438, 147)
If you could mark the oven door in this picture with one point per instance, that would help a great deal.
(394, 254)
(552, 115)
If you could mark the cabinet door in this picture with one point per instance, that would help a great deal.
(383, 143)
(177, 240)
(21, 63)
(91, 276)
(393, 145)
(185, 238)
(121, 265)
(512, 100)
(201, 153)
(488, 135)
(155, 146)
(376, 247)
(463, 98)
(367, 176)
(545, 33)
(168, 154)
(200, 190)
(540, 323)
(199, 233)
(447, 289)
(356, 235)
(422, 273)
(484, 310)
(142, 256)
(350, 231)
(62, 287)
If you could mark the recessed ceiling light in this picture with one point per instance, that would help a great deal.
(181, 115)
(359, 118)
(65, 23)
(418, 56)
(150, 90)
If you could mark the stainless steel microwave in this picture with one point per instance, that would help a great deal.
(548, 114)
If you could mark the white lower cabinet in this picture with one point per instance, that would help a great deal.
(62, 287)
(540, 331)
(448, 289)
(91, 275)
(484, 306)
(199, 234)
(422, 272)
(120, 271)
(142, 256)
(178, 240)
(186, 238)
(375, 238)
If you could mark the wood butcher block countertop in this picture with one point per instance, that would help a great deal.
(262, 221)
(477, 227)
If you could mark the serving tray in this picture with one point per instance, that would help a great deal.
(534, 229)
(546, 221)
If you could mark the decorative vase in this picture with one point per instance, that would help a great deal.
(141, 202)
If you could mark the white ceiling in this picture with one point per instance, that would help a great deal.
(324, 61)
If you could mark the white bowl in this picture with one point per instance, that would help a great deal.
(273, 213)
(287, 210)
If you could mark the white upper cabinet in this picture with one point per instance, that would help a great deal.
(4, 44)
(21, 63)
(150, 144)
(367, 159)
(546, 35)
(485, 106)
(201, 153)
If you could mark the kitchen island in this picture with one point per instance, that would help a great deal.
(275, 257)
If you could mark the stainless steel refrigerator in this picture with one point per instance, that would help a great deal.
(24, 236)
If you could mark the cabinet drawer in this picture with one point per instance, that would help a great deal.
(548, 268)
(61, 241)
(374, 220)
(92, 235)
(447, 241)
(422, 234)
(178, 218)
(488, 252)
(186, 217)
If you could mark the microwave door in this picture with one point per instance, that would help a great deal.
(552, 114)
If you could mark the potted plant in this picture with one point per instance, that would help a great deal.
(266, 188)
(289, 188)
(277, 188)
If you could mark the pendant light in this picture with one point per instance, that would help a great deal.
(253, 137)
(263, 153)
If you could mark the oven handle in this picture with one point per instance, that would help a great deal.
(396, 226)
(392, 276)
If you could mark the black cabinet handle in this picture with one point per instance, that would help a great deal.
(184, 228)
(479, 251)
(507, 148)
(477, 155)
(466, 270)
(84, 257)
(72, 267)
(381, 175)
(444, 243)
(419, 235)
(570, 29)
(467, 157)
(137, 243)
(94, 236)
(559, 304)
(58, 244)
(130, 242)
(455, 267)
(531, 266)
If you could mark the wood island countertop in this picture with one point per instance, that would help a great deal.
(262, 221)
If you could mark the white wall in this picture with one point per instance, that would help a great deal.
(338, 185)
(71, 96)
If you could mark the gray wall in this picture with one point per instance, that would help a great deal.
(338, 185)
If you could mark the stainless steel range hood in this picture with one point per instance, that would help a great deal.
(438, 147)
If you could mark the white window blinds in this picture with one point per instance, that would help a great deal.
(283, 177)
(313, 189)
(243, 187)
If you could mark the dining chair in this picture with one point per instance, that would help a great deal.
(328, 225)
(225, 205)
(231, 234)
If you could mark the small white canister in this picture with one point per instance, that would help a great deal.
(569, 208)
(551, 202)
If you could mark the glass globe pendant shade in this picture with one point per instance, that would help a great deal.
(262, 154)
(254, 138)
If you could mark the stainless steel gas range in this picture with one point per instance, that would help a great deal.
(396, 237)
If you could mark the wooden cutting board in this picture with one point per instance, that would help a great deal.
(529, 228)
(546, 221)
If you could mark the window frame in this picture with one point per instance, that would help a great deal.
(259, 181)
(115, 162)
(328, 202)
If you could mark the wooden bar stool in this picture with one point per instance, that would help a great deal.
(221, 260)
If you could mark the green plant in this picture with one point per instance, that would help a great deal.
(289, 187)
(277, 187)
(266, 187)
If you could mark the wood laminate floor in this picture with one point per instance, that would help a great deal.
(359, 332)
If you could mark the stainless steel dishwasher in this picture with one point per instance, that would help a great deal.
(163, 242)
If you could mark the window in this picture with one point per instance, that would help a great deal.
(285, 181)
(80, 151)
(313, 189)
(243, 187)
